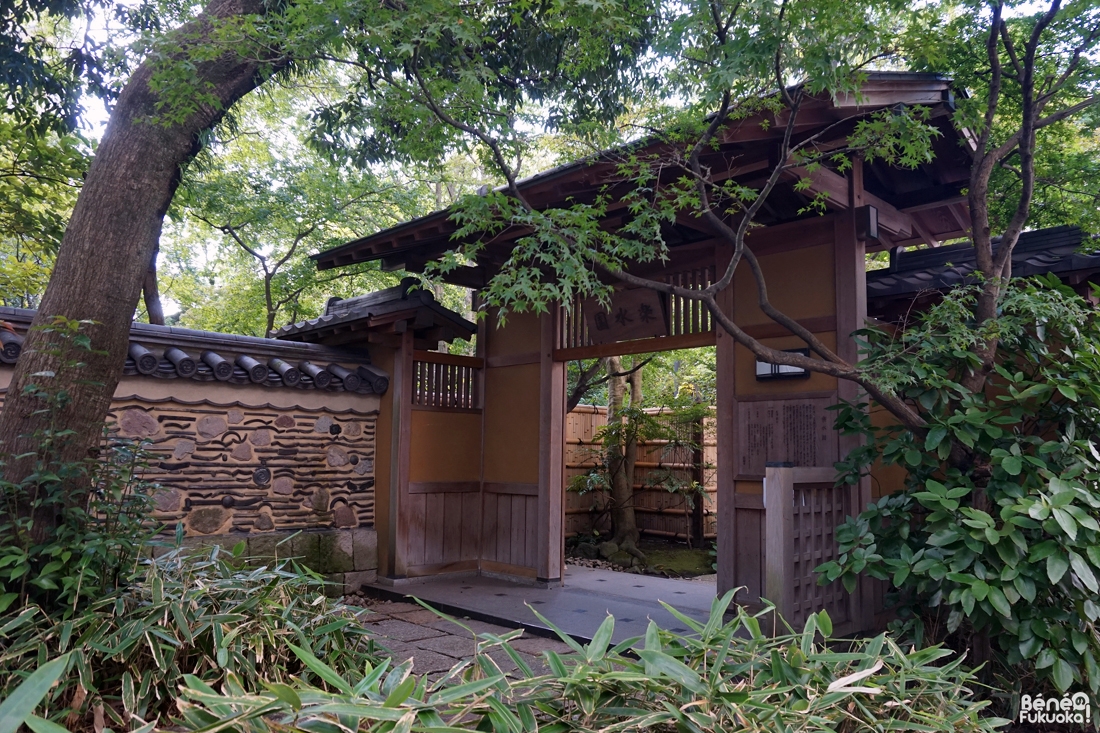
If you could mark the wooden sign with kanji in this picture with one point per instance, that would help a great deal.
(634, 314)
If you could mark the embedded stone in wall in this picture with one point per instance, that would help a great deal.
(207, 519)
(264, 522)
(323, 424)
(353, 429)
(138, 422)
(284, 421)
(211, 426)
(241, 452)
(260, 437)
(364, 467)
(337, 457)
(235, 417)
(283, 485)
(343, 516)
(318, 501)
(184, 448)
(167, 500)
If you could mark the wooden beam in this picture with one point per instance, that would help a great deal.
(924, 234)
(550, 552)
(836, 189)
(436, 357)
(639, 346)
(962, 216)
(726, 428)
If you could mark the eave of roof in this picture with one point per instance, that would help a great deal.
(160, 339)
(402, 302)
(927, 88)
(1038, 252)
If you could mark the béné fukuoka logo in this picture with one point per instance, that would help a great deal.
(1073, 708)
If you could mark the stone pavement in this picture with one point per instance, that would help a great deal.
(577, 607)
(435, 645)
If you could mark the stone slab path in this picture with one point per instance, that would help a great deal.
(578, 607)
(408, 630)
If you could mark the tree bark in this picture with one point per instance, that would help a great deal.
(622, 455)
(110, 239)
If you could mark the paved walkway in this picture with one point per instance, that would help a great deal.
(578, 607)
(435, 645)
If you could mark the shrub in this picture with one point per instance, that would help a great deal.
(70, 531)
(201, 616)
(726, 676)
(995, 538)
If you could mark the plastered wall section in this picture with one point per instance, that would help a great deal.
(786, 420)
(512, 402)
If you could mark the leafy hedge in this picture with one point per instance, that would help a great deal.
(995, 539)
(205, 617)
(721, 676)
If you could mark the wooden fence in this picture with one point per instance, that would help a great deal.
(659, 512)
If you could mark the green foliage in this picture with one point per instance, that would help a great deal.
(722, 676)
(97, 511)
(40, 176)
(194, 618)
(255, 206)
(950, 38)
(996, 531)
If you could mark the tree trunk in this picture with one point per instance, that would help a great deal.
(151, 292)
(109, 243)
(621, 458)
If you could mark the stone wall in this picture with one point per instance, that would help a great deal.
(290, 472)
(262, 473)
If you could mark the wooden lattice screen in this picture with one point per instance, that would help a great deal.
(803, 510)
(446, 381)
(685, 316)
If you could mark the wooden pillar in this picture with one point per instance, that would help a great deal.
(726, 425)
(850, 255)
(400, 445)
(551, 453)
(779, 540)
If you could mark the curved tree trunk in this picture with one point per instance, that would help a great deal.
(150, 291)
(110, 239)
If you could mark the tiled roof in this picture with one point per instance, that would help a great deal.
(405, 301)
(168, 352)
(1036, 253)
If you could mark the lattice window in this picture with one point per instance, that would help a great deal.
(685, 316)
(446, 385)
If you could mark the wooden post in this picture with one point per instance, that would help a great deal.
(551, 453)
(850, 255)
(400, 449)
(779, 539)
(726, 427)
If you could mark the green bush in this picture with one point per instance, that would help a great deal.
(70, 531)
(202, 616)
(726, 676)
(994, 542)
